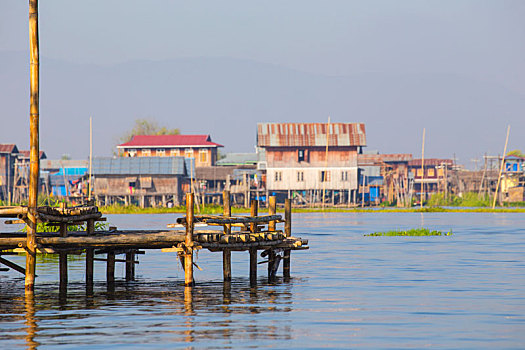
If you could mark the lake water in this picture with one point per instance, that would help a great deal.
(465, 291)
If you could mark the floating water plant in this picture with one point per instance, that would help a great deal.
(412, 232)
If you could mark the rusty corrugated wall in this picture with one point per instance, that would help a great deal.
(310, 134)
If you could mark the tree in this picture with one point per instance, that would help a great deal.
(147, 127)
(516, 153)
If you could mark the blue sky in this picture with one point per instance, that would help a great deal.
(480, 40)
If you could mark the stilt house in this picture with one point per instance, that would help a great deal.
(298, 159)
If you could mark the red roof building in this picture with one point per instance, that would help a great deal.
(199, 147)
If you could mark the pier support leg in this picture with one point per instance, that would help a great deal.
(62, 262)
(110, 268)
(188, 257)
(287, 233)
(90, 229)
(227, 265)
(130, 265)
(253, 266)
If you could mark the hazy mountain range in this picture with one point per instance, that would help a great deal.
(226, 98)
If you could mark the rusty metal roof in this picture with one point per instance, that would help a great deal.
(8, 148)
(310, 134)
(374, 159)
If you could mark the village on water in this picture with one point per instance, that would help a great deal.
(315, 164)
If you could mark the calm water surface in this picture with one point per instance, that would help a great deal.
(464, 291)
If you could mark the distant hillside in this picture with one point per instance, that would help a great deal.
(227, 97)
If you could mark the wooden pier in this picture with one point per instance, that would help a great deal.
(254, 233)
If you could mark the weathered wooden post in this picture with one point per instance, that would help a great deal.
(90, 229)
(226, 253)
(62, 262)
(188, 254)
(272, 208)
(34, 147)
(110, 268)
(253, 251)
(130, 265)
(287, 233)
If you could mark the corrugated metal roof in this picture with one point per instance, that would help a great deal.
(8, 148)
(63, 163)
(239, 159)
(140, 166)
(170, 141)
(310, 134)
(371, 159)
(26, 154)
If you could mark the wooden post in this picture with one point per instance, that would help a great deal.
(226, 253)
(34, 147)
(62, 261)
(272, 205)
(110, 268)
(130, 265)
(253, 265)
(90, 229)
(254, 208)
(287, 233)
(188, 258)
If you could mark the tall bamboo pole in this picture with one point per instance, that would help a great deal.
(188, 256)
(90, 156)
(326, 159)
(422, 167)
(501, 168)
(34, 147)
(287, 233)
(226, 253)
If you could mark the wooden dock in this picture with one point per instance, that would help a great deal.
(254, 233)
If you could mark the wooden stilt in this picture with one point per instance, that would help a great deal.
(287, 233)
(272, 205)
(188, 259)
(90, 229)
(226, 253)
(253, 265)
(254, 208)
(110, 268)
(130, 265)
(62, 261)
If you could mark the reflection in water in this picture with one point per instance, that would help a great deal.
(30, 322)
(165, 311)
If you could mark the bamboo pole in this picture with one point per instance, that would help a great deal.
(90, 156)
(287, 233)
(34, 147)
(254, 208)
(422, 168)
(501, 168)
(326, 159)
(188, 258)
(62, 261)
(226, 253)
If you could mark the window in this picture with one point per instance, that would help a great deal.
(325, 176)
(188, 153)
(441, 172)
(301, 155)
(132, 152)
(419, 173)
(203, 155)
(431, 172)
(344, 175)
(278, 176)
(161, 152)
(175, 152)
(300, 176)
(146, 152)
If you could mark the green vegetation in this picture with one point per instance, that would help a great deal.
(412, 232)
(147, 127)
(43, 227)
(469, 199)
(132, 209)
